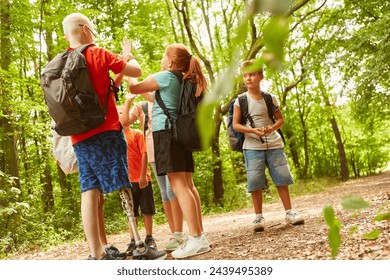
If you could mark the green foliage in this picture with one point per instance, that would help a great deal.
(348, 203)
(372, 235)
(354, 203)
(382, 217)
(334, 225)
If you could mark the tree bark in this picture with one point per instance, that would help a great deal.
(9, 160)
(217, 168)
(340, 146)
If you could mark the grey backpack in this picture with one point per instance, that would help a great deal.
(69, 93)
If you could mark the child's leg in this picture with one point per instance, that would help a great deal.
(187, 201)
(255, 171)
(90, 219)
(102, 229)
(177, 215)
(257, 199)
(280, 172)
(195, 192)
(148, 223)
(163, 183)
(284, 195)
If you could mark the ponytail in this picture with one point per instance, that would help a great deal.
(195, 74)
(188, 64)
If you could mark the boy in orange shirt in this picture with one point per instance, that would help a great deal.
(141, 181)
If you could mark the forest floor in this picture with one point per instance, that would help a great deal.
(232, 237)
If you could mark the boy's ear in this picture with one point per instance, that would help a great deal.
(261, 75)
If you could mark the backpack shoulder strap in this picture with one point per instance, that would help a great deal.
(83, 47)
(146, 113)
(243, 101)
(161, 103)
(178, 74)
(270, 105)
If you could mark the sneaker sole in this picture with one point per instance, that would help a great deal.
(201, 251)
(258, 229)
(170, 250)
(163, 257)
(298, 223)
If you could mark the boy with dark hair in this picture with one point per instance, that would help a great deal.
(263, 146)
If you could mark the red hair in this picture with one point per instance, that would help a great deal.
(189, 65)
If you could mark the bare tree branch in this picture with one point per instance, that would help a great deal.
(184, 12)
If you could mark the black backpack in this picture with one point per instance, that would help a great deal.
(184, 128)
(69, 93)
(236, 139)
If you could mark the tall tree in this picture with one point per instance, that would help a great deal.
(9, 160)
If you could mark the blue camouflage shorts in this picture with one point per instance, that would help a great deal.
(275, 160)
(102, 162)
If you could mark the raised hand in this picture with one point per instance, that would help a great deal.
(127, 49)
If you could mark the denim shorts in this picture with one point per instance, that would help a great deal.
(275, 160)
(102, 162)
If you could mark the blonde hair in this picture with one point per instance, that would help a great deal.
(185, 62)
(71, 24)
(247, 63)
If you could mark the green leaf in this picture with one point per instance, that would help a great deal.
(353, 229)
(275, 34)
(242, 32)
(372, 235)
(220, 89)
(207, 125)
(329, 215)
(354, 203)
(381, 217)
(334, 240)
(276, 7)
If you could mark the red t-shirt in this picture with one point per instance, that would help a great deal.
(136, 147)
(99, 62)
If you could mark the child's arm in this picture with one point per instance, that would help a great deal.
(237, 126)
(125, 118)
(278, 124)
(143, 179)
(147, 83)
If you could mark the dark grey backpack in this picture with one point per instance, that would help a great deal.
(69, 93)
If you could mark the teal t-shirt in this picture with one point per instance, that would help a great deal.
(169, 86)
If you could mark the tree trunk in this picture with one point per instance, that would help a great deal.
(9, 160)
(340, 147)
(47, 196)
(293, 149)
(304, 171)
(217, 167)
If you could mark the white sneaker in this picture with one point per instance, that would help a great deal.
(294, 219)
(175, 240)
(258, 224)
(192, 247)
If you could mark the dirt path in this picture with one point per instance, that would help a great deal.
(232, 236)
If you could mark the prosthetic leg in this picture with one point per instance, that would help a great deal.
(141, 250)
